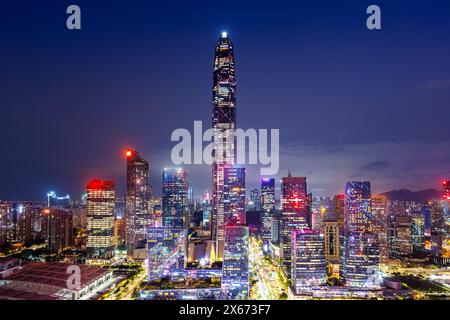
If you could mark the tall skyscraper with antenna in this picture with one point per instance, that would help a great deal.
(223, 123)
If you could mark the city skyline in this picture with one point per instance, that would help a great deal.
(318, 229)
(410, 152)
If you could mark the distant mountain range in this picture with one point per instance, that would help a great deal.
(418, 196)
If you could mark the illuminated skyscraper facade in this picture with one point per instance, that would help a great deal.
(309, 267)
(360, 252)
(138, 198)
(57, 225)
(175, 206)
(235, 280)
(294, 215)
(223, 123)
(331, 232)
(267, 208)
(234, 195)
(360, 260)
(100, 219)
(380, 225)
(338, 206)
(446, 189)
(357, 212)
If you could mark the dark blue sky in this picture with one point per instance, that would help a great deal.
(351, 104)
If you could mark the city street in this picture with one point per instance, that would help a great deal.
(270, 282)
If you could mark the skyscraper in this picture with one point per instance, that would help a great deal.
(357, 213)
(446, 189)
(267, 207)
(57, 225)
(309, 268)
(223, 123)
(360, 260)
(331, 233)
(380, 225)
(235, 278)
(294, 215)
(234, 195)
(175, 206)
(137, 202)
(255, 204)
(360, 253)
(100, 219)
(339, 205)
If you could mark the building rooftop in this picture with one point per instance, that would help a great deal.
(55, 274)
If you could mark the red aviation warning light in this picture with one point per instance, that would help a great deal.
(128, 153)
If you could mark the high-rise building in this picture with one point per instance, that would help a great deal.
(57, 225)
(223, 123)
(440, 231)
(255, 204)
(5, 213)
(234, 195)
(380, 225)
(403, 241)
(360, 257)
(267, 208)
(338, 208)
(331, 232)
(357, 212)
(175, 206)
(446, 189)
(138, 199)
(309, 267)
(294, 215)
(100, 219)
(360, 251)
(235, 279)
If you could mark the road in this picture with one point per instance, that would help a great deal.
(269, 278)
(125, 289)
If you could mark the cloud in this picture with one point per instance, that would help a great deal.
(376, 165)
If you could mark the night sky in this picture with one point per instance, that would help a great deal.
(351, 104)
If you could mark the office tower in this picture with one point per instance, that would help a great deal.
(175, 198)
(138, 198)
(100, 220)
(267, 208)
(235, 280)
(360, 260)
(339, 205)
(223, 123)
(321, 206)
(309, 267)
(395, 209)
(57, 225)
(234, 195)
(402, 244)
(360, 253)
(357, 212)
(331, 232)
(255, 204)
(446, 189)
(380, 225)
(275, 229)
(418, 228)
(294, 215)
(440, 231)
